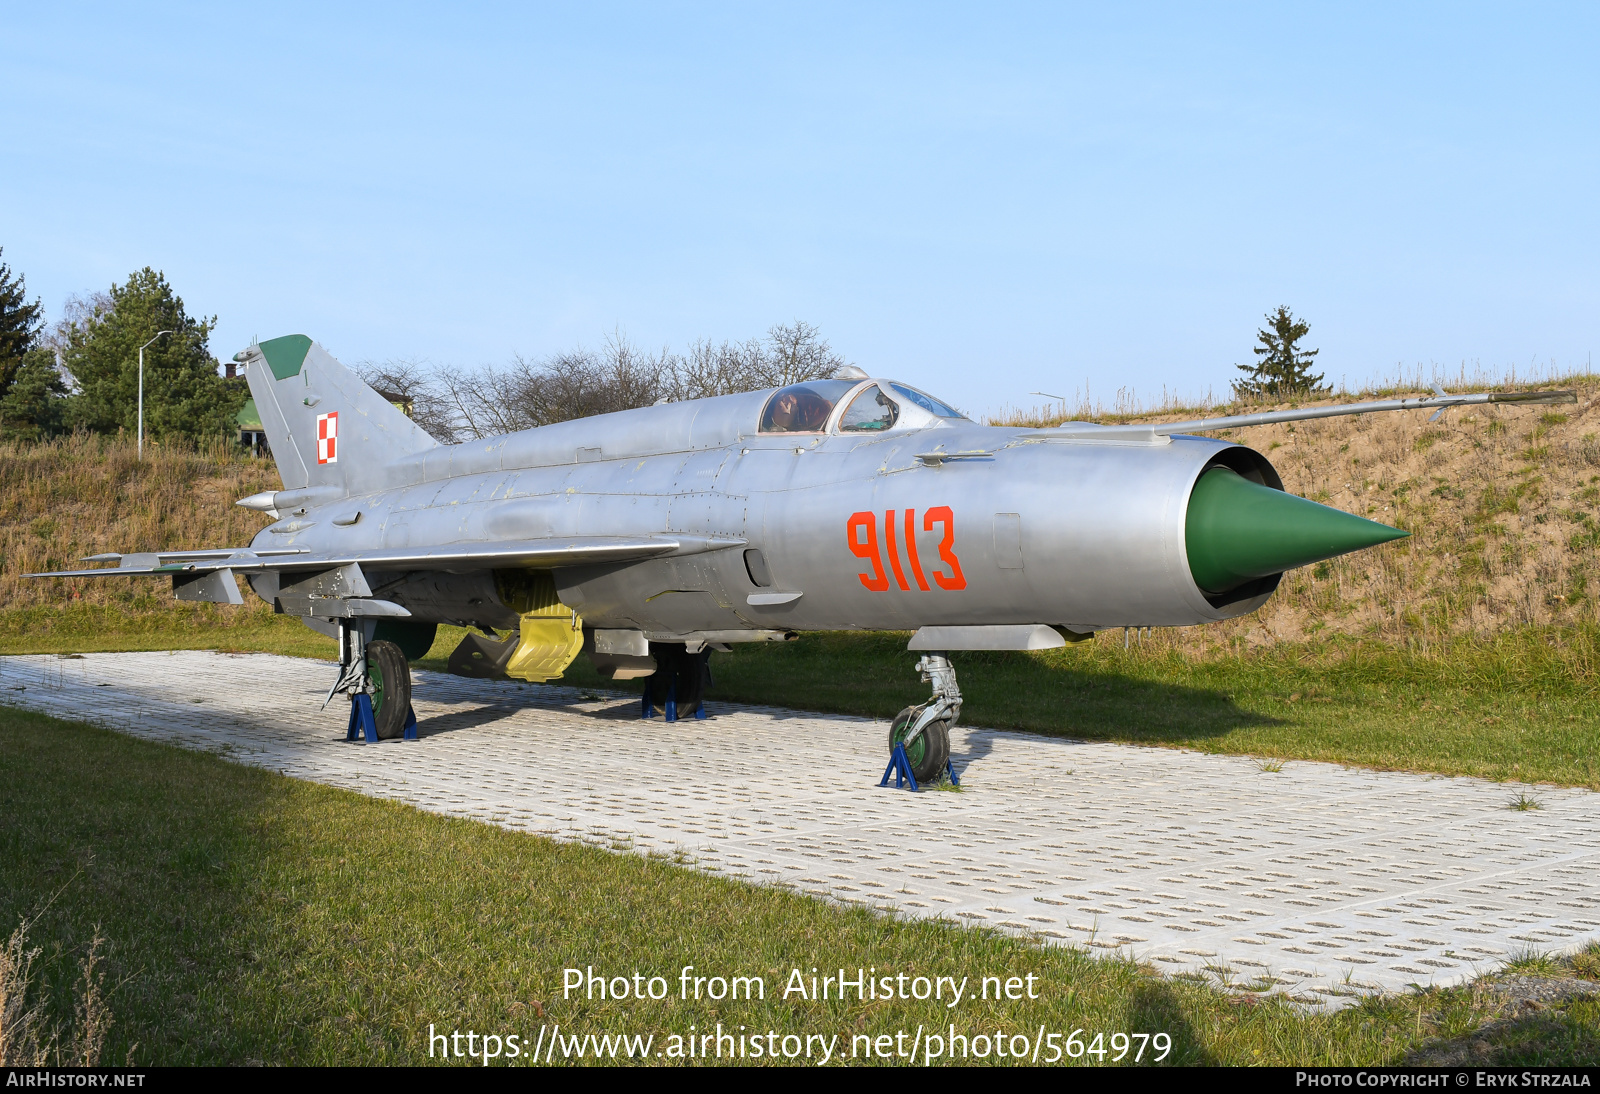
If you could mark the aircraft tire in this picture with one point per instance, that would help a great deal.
(391, 675)
(930, 752)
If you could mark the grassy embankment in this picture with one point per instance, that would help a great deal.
(249, 917)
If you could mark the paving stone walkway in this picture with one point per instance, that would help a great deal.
(1321, 881)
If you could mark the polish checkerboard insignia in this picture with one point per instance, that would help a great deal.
(328, 437)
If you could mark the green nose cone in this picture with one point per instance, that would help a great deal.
(1238, 531)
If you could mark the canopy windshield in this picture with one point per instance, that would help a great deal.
(926, 402)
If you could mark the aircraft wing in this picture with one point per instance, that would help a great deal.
(1438, 402)
(572, 551)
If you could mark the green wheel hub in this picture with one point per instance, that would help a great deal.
(917, 750)
(929, 753)
(375, 671)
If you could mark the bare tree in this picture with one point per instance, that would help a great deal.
(798, 354)
(413, 382)
(711, 369)
(581, 384)
(788, 355)
(455, 403)
(482, 402)
(77, 315)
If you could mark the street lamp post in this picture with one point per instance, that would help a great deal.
(141, 391)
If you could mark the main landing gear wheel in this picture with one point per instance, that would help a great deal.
(391, 684)
(680, 676)
(930, 751)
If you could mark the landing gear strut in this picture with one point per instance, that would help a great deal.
(377, 677)
(922, 732)
(679, 680)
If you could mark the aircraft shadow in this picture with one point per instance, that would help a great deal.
(456, 720)
(1062, 693)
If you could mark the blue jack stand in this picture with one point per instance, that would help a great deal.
(362, 723)
(900, 767)
(647, 707)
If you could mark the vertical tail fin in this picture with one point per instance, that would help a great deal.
(326, 427)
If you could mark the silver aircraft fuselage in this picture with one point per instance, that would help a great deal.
(827, 505)
(936, 521)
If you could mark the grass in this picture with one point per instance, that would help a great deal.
(248, 917)
(81, 495)
(28, 1038)
(1534, 963)
(152, 624)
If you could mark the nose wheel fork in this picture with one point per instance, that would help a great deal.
(919, 736)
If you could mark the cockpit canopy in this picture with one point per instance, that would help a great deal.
(872, 406)
(803, 408)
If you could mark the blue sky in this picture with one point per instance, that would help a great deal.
(986, 200)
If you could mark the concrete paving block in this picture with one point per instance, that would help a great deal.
(1318, 880)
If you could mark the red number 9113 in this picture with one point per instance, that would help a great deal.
(861, 532)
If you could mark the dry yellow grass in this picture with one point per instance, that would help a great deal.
(83, 495)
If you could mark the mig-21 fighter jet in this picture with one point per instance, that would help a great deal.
(645, 538)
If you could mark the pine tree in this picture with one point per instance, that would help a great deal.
(1282, 368)
(183, 395)
(19, 324)
(35, 404)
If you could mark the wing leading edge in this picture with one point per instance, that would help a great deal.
(536, 553)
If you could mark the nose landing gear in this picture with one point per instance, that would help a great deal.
(919, 736)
